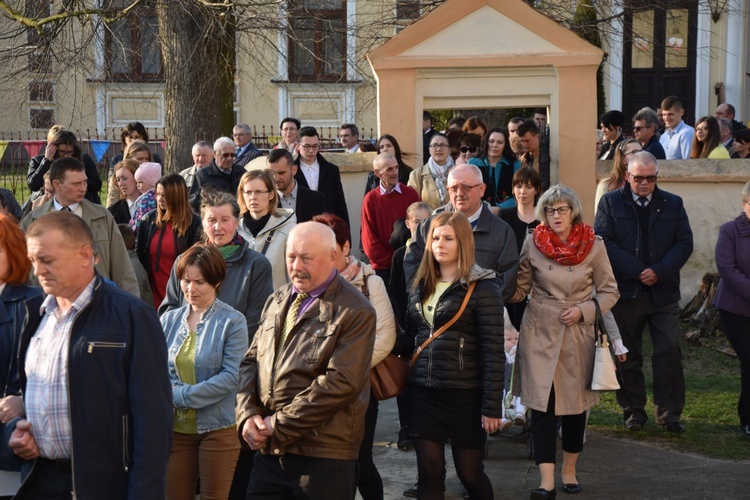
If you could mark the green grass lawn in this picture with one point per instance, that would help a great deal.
(712, 381)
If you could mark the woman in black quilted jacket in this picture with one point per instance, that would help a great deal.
(457, 380)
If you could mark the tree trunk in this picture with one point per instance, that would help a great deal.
(699, 314)
(199, 67)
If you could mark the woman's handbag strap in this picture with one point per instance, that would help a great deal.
(445, 326)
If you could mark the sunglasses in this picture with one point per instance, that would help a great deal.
(468, 149)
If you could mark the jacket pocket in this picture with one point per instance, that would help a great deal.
(461, 354)
(105, 345)
(315, 342)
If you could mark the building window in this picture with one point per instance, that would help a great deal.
(132, 46)
(41, 118)
(41, 92)
(317, 40)
(407, 10)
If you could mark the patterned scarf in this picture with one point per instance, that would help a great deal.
(352, 268)
(440, 174)
(229, 249)
(580, 242)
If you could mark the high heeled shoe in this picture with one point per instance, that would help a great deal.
(542, 494)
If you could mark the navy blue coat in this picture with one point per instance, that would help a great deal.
(670, 242)
(119, 395)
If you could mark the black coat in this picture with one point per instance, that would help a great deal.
(146, 231)
(471, 353)
(309, 204)
(39, 165)
(329, 183)
(211, 177)
(670, 242)
(250, 153)
(120, 211)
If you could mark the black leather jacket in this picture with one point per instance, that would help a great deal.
(470, 354)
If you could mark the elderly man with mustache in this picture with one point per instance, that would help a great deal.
(305, 377)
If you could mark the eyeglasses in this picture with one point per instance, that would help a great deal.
(640, 178)
(310, 147)
(255, 193)
(468, 149)
(462, 187)
(289, 129)
(240, 135)
(438, 146)
(228, 155)
(549, 211)
(638, 129)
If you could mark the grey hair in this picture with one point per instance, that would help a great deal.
(560, 193)
(644, 159)
(417, 205)
(746, 192)
(474, 169)
(202, 144)
(223, 141)
(244, 127)
(382, 158)
(649, 116)
(725, 124)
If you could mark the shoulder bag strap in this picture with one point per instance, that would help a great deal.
(269, 239)
(445, 326)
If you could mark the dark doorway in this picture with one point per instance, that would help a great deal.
(659, 54)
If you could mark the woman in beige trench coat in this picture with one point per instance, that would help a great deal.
(562, 263)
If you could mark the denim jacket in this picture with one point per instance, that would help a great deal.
(221, 342)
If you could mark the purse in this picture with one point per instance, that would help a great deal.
(388, 378)
(604, 377)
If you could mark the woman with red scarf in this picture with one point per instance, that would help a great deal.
(562, 263)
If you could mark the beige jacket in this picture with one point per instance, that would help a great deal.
(318, 390)
(421, 179)
(385, 326)
(549, 351)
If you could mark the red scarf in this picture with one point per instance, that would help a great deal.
(580, 242)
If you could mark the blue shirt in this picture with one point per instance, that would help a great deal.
(678, 142)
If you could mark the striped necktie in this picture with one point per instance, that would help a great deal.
(291, 319)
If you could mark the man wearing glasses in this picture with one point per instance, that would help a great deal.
(645, 125)
(223, 174)
(648, 238)
(494, 242)
(243, 139)
(316, 173)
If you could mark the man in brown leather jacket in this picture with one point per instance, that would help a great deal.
(304, 391)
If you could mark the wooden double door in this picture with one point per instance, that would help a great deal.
(659, 54)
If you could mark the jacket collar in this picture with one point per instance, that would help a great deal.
(323, 307)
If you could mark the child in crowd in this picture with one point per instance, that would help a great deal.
(513, 411)
(146, 177)
(128, 236)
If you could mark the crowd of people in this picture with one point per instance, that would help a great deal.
(213, 331)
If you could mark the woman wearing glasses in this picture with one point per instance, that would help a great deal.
(618, 175)
(707, 140)
(561, 264)
(468, 147)
(431, 179)
(263, 224)
(498, 163)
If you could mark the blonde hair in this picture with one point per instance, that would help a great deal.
(429, 269)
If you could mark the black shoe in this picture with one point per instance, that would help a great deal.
(674, 427)
(745, 429)
(542, 494)
(411, 492)
(634, 425)
(405, 441)
(571, 488)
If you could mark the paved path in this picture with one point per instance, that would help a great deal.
(608, 469)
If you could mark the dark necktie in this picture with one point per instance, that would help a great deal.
(65, 209)
(642, 201)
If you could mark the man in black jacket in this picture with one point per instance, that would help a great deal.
(306, 203)
(221, 175)
(314, 172)
(93, 371)
(648, 238)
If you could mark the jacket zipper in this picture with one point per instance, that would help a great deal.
(461, 354)
(108, 345)
(637, 248)
(125, 454)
